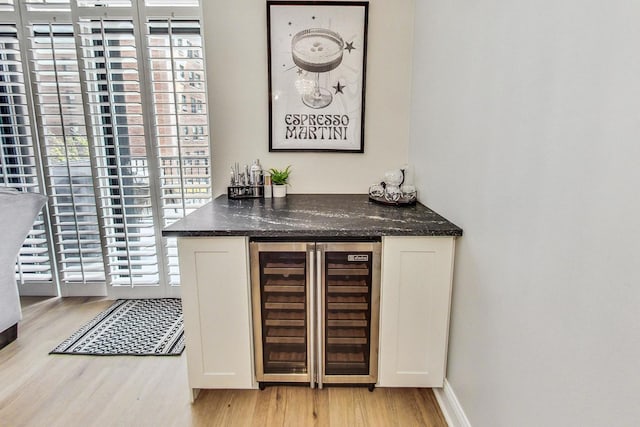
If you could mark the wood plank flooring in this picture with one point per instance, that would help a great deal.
(38, 389)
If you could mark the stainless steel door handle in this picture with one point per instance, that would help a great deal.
(311, 327)
(320, 314)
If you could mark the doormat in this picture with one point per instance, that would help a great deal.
(138, 327)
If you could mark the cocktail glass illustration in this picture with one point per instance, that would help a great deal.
(317, 50)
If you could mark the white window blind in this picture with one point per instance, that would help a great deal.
(105, 3)
(112, 77)
(18, 163)
(119, 151)
(65, 149)
(181, 134)
(183, 3)
(7, 6)
(47, 5)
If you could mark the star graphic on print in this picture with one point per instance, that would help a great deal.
(299, 71)
(338, 87)
(349, 47)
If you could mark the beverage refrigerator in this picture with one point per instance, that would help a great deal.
(315, 312)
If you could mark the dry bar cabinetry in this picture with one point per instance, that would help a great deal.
(415, 293)
(415, 306)
(216, 305)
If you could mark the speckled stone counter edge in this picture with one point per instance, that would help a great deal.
(299, 216)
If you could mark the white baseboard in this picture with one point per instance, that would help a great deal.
(37, 290)
(450, 406)
(83, 290)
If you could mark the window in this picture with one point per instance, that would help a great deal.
(102, 136)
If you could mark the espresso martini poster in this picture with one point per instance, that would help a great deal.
(317, 55)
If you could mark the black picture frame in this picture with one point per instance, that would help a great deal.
(317, 54)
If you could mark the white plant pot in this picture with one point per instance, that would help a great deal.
(279, 190)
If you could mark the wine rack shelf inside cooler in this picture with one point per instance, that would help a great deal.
(348, 314)
(284, 319)
(336, 319)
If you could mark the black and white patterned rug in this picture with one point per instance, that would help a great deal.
(139, 327)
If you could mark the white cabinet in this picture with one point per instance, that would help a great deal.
(216, 305)
(414, 310)
(415, 299)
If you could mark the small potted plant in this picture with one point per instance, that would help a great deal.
(279, 179)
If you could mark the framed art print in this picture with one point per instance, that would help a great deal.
(317, 54)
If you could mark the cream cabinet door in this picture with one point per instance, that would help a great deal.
(216, 303)
(414, 310)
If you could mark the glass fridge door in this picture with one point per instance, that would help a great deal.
(351, 303)
(282, 301)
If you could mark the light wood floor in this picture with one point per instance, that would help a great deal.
(37, 389)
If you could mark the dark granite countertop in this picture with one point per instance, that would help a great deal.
(317, 216)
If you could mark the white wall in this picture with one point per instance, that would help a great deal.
(526, 132)
(236, 49)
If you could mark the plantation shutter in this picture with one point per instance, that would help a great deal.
(65, 151)
(6, 6)
(103, 108)
(182, 143)
(114, 101)
(18, 161)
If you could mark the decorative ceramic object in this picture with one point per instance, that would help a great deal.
(279, 190)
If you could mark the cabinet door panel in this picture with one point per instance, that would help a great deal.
(215, 298)
(414, 317)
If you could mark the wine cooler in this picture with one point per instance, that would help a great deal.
(315, 312)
